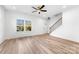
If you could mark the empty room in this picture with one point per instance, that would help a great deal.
(39, 29)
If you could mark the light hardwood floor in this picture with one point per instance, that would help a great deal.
(41, 44)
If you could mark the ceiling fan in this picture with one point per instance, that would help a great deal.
(39, 9)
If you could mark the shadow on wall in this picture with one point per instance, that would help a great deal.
(69, 29)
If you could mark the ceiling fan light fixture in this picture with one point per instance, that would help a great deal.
(39, 9)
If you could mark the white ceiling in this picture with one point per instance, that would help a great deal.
(51, 9)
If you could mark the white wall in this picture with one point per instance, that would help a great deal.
(1, 24)
(38, 25)
(70, 26)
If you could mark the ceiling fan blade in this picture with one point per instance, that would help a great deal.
(34, 11)
(43, 10)
(42, 6)
(34, 8)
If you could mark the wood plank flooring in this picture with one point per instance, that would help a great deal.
(41, 44)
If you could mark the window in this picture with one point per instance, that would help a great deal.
(23, 25)
(20, 25)
(27, 25)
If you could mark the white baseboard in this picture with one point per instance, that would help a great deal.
(67, 38)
